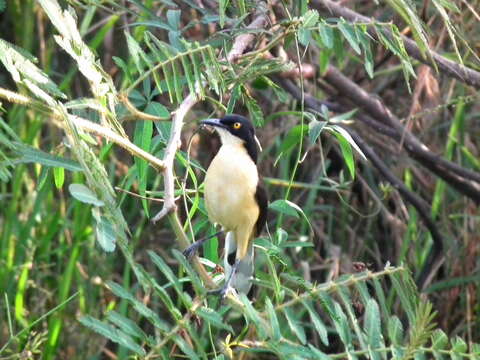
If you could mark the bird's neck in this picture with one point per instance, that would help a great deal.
(229, 140)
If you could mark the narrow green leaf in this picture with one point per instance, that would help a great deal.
(59, 176)
(143, 139)
(315, 128)
(295, 325)
(112, 334)
(252, 315)
(276, 333)
(186, 348)
(213, 318)
(317, 322)
(165, 269)
(347, 153)
(372, 326)
(197, 284)
(138, 306)
(29, 154)
(293, 137)
(395, 330)
(126, 325)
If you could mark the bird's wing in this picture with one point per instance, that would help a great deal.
(261, 197)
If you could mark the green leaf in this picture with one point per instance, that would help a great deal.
(291, 244)
(276, 334)
(350, 34)
(186, 348)
(106, 235)
(310, 18)
(126, 325)
(197, 284)
(29, 154)
(459, 345)
(343, 117)
(315, 128)
(395, 330)
(347, 153)
(317, 322)
(293, 137)
(326, 34)
(372, 326)
(284, 207)
(138, 306)
(295, 326)
(213, 318)
(143, 138)
(84, 194)
(318, 354)
(59, 176)
(439, 340)
(173, 18)
(165, 269)
(252, 315)
(112, 333)
(157, 109)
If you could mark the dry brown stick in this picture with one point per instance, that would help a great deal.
(448, 67)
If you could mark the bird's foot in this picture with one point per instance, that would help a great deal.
(223, 291)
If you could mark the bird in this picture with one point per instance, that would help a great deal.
(235, 198)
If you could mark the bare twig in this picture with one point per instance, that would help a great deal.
(448, 67)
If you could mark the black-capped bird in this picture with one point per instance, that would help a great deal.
(235, 198)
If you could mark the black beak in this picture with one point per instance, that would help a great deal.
(213, 122)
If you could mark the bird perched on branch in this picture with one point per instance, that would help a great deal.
(235, 198)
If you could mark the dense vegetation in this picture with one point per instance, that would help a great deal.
(369, 120)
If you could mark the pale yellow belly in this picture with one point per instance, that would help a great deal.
(230, 186)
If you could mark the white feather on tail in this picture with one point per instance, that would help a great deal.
(242, 279)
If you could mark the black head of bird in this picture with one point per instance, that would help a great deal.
(236, 129)
(235, 198)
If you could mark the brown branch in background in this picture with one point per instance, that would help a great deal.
(434, 261)
(435, 258)
(465, 181)
(448, 67)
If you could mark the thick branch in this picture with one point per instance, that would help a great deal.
(448, 67)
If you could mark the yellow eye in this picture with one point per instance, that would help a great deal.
(237, 126)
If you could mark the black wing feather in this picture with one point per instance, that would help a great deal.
(262, 200)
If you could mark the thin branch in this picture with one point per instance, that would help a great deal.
(448, 67)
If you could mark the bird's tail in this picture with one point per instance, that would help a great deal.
(242, 279)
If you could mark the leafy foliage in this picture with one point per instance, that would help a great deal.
(160, 307)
